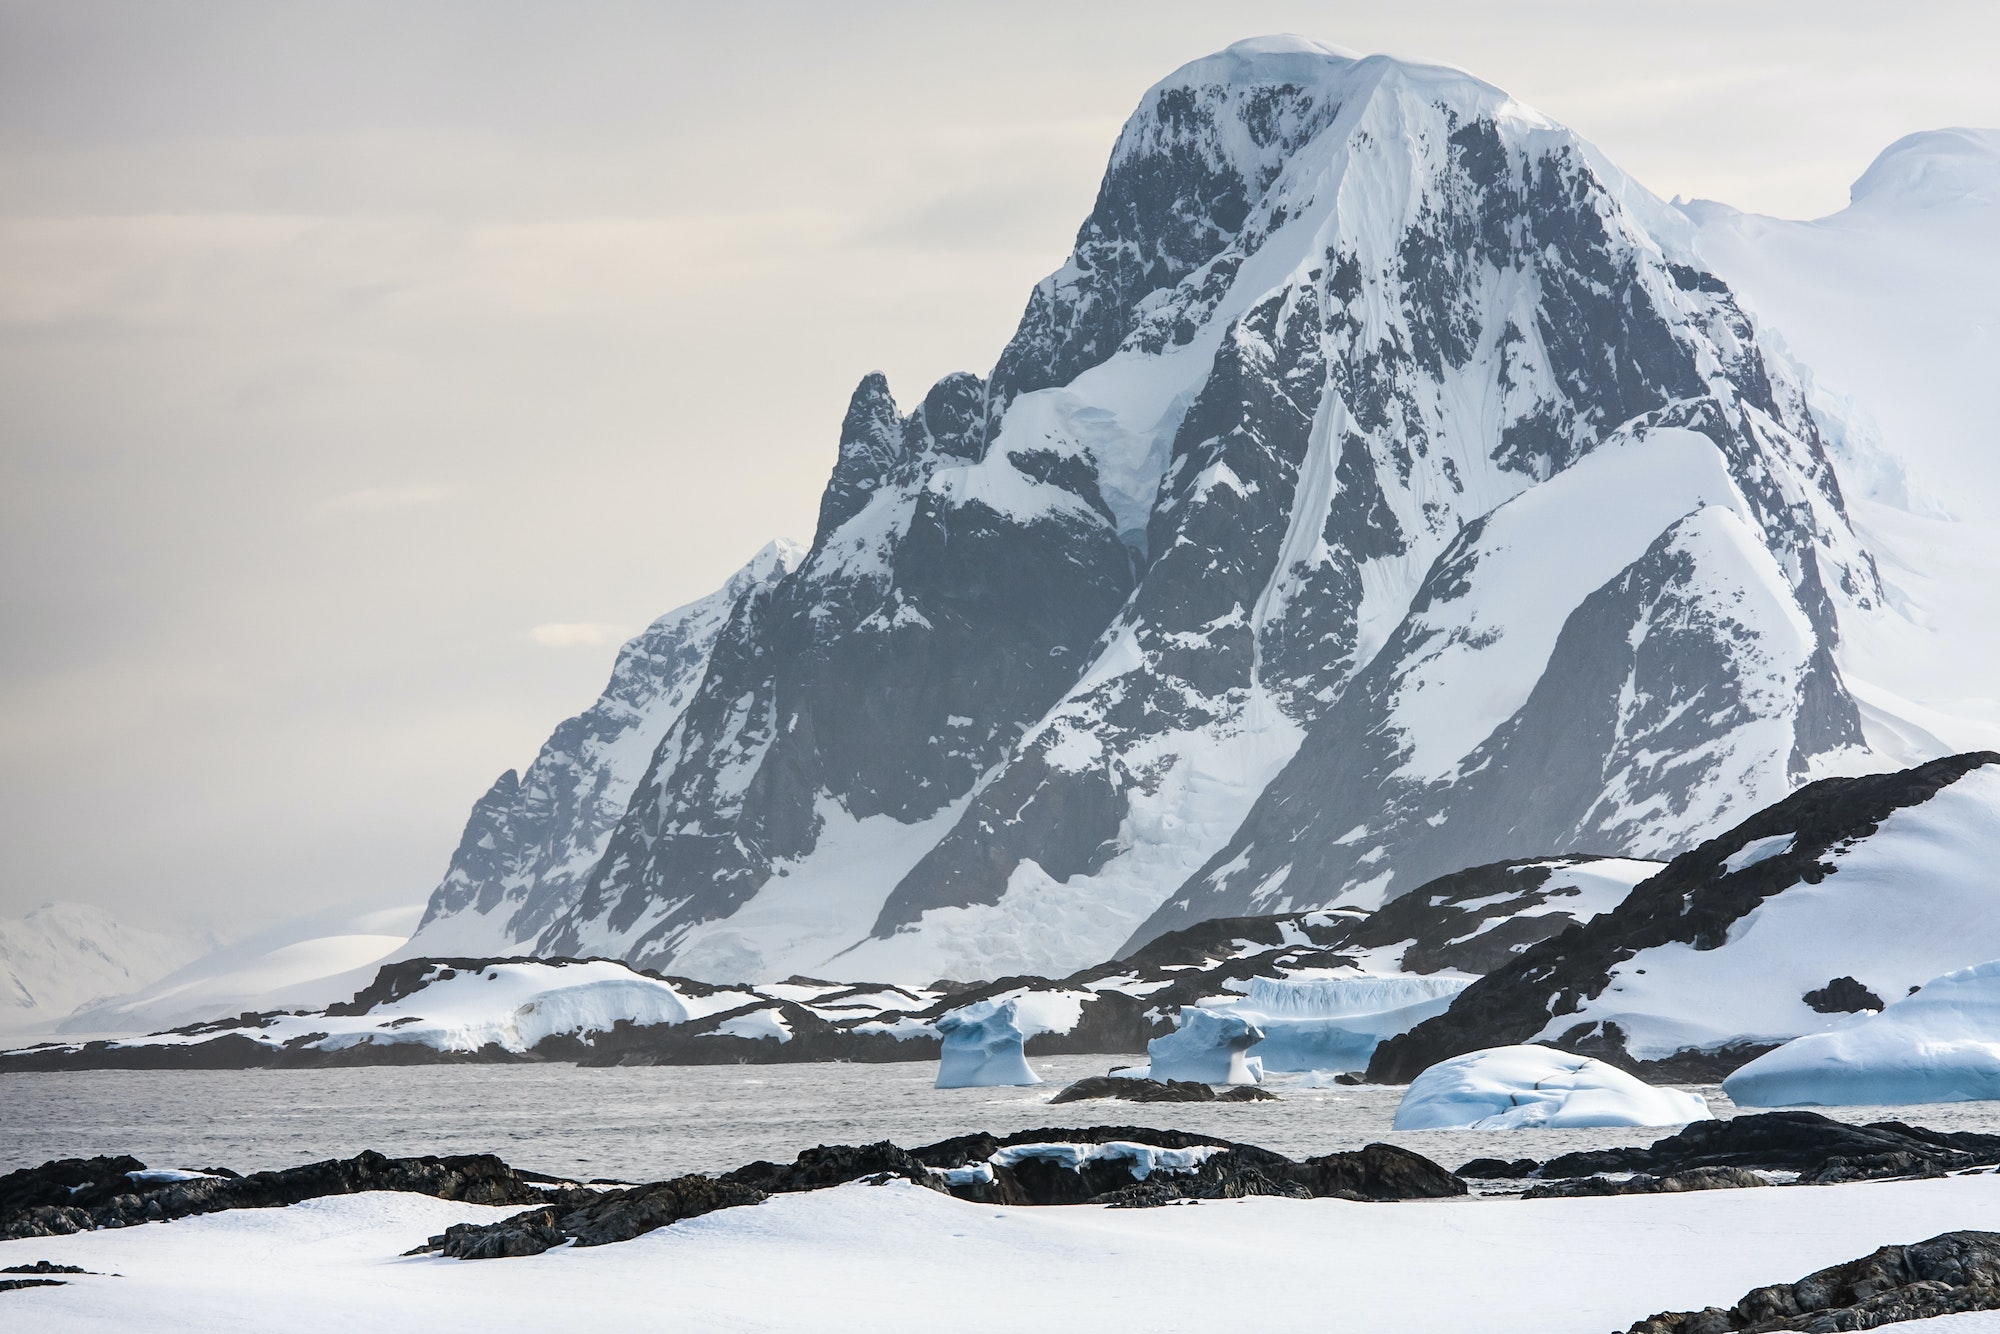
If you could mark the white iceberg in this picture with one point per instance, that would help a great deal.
(1940, 1044)
(983, 1047)
(1335, 1023)
(1208, 1047)
(1526, 1088)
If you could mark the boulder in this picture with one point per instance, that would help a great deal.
(1698, 1178)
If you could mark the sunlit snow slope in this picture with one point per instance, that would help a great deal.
(1894, 302)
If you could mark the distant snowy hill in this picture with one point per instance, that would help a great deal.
(323, 956)
(62, 955)
(1384, 485)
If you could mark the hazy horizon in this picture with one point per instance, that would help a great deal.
(375, 370)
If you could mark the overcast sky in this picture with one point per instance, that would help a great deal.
(371, 369)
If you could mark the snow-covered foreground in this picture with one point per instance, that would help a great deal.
(896, 1257)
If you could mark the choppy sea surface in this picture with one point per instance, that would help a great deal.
(643, 1124)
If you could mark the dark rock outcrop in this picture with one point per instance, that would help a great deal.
(1821, 1150)
(597, 1220)
(40, 1269)
(831, 1165)
(1950, 1273)
(1842, 995)
(1135, 1090)
(80, 1194)
(1698, 1178)
(1694, 901)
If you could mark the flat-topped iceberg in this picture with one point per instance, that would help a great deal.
(1208, 1047)
(1939, 1044)
(1527, 1087)
(983, 1047)
(1335, 1023)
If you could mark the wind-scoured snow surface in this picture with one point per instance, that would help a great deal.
(1385, 485)
(1939, 1044)
(881, 1258)
(64, 955)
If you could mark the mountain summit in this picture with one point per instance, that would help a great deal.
(1381, 487)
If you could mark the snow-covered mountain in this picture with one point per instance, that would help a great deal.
(1849, 894)
(63, 955)
(321, 956)
(1384, 485)
(534, 838)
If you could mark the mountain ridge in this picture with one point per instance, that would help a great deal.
(1238, 501)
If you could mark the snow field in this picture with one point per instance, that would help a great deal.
(894, 1257)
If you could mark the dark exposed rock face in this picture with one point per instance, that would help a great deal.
(41, 1269)
(1378, 1172)
(80, 1194)
(1952, 1272)
(830, 1165)
(531, 839)
(1821, 1150)
(1843, 995)
(1694, 901)
(885, 675)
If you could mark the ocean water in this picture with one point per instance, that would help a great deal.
(643, 1124)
